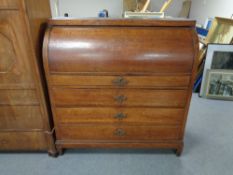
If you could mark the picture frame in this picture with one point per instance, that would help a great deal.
(219, 84)
(221, 54)
(221, 31)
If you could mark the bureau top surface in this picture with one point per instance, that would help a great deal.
(170, 22)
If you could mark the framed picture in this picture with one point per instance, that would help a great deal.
(219, 57)
(219, 84)
(221, 31)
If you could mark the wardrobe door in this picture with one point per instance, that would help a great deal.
(19, 105)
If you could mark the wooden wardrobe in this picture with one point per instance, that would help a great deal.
(24, 116)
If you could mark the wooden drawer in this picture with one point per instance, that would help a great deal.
(98, 115)
(26, 141)
(120, 49)
(119, 97)
(121, 81)
(20, 117)
(111, 132)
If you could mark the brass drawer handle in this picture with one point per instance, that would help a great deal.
(120, 81)
(120, 99)
(120, 116)
(119, 132)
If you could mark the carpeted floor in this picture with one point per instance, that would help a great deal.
(208, 151)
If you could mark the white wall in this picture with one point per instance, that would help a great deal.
(173, 10)
(90, 8)
(202, 9)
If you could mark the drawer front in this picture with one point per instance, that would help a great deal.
(98, 115)
(111, 132)
(20, 117)
(120, 49)
(121, 81)
(27, 141)
(119, 97)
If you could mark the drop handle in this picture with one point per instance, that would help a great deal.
(119, 132)
(120, 99)
(120, 81)
(120, 116)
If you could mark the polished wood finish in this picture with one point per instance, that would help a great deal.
(114, 132)
(120, 83)
(106, 55)
(126, 115)
(24, 118)
(119, 97)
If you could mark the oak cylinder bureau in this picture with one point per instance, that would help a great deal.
(123, 83)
